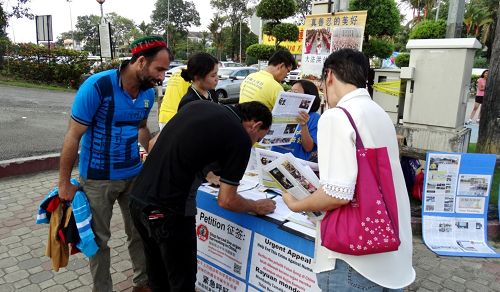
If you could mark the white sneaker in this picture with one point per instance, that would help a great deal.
(468, 122)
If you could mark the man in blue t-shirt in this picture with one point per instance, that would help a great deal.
(109, 116)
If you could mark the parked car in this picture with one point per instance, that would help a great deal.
(225, 64)
(293, 76)
(169, 73)
(230, 79)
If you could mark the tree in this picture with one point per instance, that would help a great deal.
(285, 32)
(260, 52)
(18, 10)
(382, 23)
(489, 126)
(183, 14)
(429, 29)
(64, 36)
(274, 11)
(121, 28)
(304, 7)
(215, 28)
(87, 30)
(145, 29)
(234, 12)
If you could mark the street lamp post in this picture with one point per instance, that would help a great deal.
(102, 14)
(71, 23)
(168, 20)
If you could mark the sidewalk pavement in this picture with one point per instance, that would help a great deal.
(23, 266)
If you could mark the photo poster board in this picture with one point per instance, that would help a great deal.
(286, 109)
(455, 203)
(327, 33)
(265, 241)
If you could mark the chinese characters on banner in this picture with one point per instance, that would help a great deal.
(223, 242)
(210, 279)
(294, 47)
(326, 33)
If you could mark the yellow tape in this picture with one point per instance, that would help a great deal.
(389, 87)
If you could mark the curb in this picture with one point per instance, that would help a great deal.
(29, 165)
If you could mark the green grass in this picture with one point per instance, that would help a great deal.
(30, 84)
(496, 178)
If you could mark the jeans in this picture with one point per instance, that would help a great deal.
(102, 195)
(346, 279)
(170, 249)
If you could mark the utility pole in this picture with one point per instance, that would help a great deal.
(71, 24)
(168, 21)
(455, 19)
(240, 40)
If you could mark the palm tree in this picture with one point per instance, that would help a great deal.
(215, 27)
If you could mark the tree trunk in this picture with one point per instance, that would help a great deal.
(489, 126)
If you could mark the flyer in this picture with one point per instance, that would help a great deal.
(447, 234)
(275, 267)
(285, 112)
(441, 184)
(455, 204)
(222, 242)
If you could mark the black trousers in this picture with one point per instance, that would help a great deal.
(170, 250)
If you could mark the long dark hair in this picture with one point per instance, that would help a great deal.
(484, 72)
(311, 88)
(199, 64)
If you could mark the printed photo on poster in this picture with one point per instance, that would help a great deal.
(318, 41)
(347, 38)
(474, 185)
(470, 205)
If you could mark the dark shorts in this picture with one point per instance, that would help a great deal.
(479, 99)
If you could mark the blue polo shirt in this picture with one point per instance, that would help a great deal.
(295, 147)
(109, 148)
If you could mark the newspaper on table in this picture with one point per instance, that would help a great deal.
(455, 204)
(285, 112)
(293, 177)
(265, 157)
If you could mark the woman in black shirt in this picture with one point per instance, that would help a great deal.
(201, 71)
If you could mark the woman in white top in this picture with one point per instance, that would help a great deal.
(345, 74)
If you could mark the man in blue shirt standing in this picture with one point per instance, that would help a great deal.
(109, 116)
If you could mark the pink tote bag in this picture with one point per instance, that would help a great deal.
(369, 223)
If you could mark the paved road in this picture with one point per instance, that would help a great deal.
(34, 121)
(23, 266)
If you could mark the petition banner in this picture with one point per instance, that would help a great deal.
(211, 279)
(223, 242)
(276, 267)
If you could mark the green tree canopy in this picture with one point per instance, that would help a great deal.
(429, 29)
(285, 32)
(183, 14)
(382, 23)
(276, 10)
(233, 12)
(87, 30)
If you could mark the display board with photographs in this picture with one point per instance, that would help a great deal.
(455, 203)
(327, 33)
